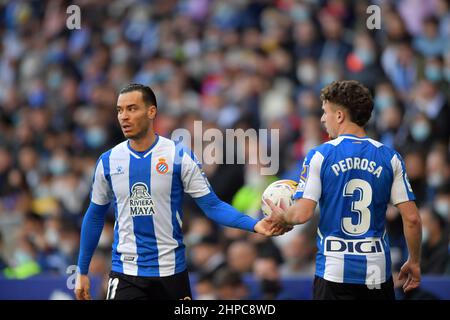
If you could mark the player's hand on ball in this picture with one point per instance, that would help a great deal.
(276, 217)
(82, 287)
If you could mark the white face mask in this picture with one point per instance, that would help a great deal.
(307, 74)
(442, 207)
(21, 257)
(66, 248)
(52, 237)
(435, 180)
(425, 235)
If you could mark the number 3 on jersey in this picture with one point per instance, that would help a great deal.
(360, 207)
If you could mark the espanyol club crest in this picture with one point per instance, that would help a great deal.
(162, 167)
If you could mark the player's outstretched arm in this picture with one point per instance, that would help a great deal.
(300, 212)
(224, 214)
(412, 228)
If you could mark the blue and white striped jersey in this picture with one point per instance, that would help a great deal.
(353, 180)
(147, 190)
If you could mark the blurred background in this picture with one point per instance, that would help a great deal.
(232, 64)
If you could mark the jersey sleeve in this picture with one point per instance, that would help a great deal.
(101, 193)
(194, 180)
(310, 184)
(401, 190)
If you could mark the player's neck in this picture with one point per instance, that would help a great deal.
(353, 129)
(143, 143)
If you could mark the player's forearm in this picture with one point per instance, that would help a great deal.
(224, 214)
(91, 230)
(412, 229)
(298, 213)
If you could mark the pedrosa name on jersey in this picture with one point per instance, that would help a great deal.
(334, 245)
(357, 164)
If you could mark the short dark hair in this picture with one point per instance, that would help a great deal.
(148, 96)
(351, 95)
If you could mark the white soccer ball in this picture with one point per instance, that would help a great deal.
(277, 191)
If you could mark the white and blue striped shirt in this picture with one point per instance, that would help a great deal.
(353, 179)
(147, 190)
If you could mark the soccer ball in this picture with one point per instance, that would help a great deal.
(277, 191)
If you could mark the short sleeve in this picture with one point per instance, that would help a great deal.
(401, 190)
(310, 184)
(194, 180)
(101, 191)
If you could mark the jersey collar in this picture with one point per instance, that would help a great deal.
(352, 136)
(145, 153)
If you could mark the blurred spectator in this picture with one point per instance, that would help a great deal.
(204, 287)
(299, 255)
(266, 272)
(206, 255)
(3, 263)
(24, 262)
(400, 65)
(335, 48)
(434, 243)
(241, 256)
(442, 202)
(229, 285)
(437, 170)
(361, 63)
(430, 43)
(415, 168)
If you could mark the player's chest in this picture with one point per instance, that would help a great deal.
(142, 176)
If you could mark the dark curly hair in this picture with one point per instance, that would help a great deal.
(351, 95)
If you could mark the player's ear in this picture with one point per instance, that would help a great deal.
(340, 114)
(151, 112)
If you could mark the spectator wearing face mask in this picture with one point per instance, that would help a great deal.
(441, 202)
(266, 272)
(415, 168)
(420, 132)
(361, 64)
(433, 70)
(399, 62)
(437, 170)
(429, 43)
(434, 242)
(430, 101)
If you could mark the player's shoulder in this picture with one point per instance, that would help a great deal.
(346, 142)
(387, 151)
(325, 148)
(166, 141)
(118, 149)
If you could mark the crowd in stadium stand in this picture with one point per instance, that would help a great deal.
(232, 64)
